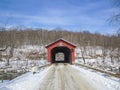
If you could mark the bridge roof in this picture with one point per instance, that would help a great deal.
(61, 39)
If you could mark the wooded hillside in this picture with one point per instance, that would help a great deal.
(16, 38)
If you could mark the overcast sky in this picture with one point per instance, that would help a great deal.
(90, 15)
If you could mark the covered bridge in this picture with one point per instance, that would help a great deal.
(60, 51)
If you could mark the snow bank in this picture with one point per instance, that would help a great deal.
(27, 81)
(100, 80)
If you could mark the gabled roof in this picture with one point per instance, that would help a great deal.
(61, 39)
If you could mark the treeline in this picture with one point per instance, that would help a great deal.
(17, 38)
(86, 41)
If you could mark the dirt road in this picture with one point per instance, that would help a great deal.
(65, 77)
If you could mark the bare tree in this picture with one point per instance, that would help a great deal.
(116, 18)
(82, 47)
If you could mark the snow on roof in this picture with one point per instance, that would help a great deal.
(59, 40)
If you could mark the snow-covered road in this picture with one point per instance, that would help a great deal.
(65, 77)
(62, 77)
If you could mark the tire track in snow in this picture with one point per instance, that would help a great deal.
(48, 80)
(65, 77)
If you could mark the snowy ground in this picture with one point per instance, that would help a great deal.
(22, 65)
(94, 58)
(63, 77)
(97, 63)
(21, 60)
(24, 58)
(101, 79)
(28, 81)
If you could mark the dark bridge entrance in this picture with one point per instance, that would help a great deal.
(60, 51)
(60, 54)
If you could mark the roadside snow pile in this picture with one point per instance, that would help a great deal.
(28, 81)
(110, 83)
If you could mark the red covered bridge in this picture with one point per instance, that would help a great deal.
(63, 47)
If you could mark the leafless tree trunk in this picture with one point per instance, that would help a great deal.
(83, 53)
